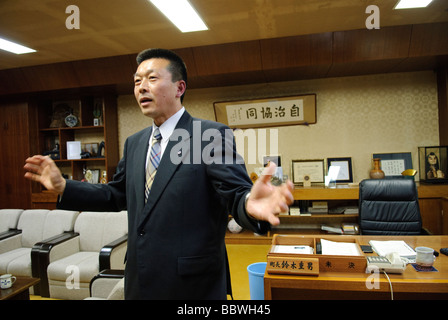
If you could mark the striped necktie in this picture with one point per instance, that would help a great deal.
(153, 162)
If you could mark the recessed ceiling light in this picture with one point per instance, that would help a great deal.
(181, 14)
(409, 4)
(14, 47)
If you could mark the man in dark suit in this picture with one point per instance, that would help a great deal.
(178, 210)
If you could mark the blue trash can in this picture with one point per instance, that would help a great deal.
(256, 280)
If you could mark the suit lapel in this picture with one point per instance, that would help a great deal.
(165, 170)
(139, 162)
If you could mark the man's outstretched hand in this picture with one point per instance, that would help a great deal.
(43, 169)
(267, 201)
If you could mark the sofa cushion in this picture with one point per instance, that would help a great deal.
(82, 265)
(16, 262)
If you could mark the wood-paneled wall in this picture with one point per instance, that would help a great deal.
(341, 53)
(17, 140)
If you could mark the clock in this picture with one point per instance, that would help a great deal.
(71, 120)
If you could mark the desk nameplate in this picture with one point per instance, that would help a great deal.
(293, 265)
(282, 262)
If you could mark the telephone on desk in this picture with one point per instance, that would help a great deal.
(391, 263)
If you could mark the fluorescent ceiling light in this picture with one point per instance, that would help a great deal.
(409, 4)
(14, 47)
(181, 14)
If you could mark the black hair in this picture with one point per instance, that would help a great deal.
(177, 66)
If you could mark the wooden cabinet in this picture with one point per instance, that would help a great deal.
(433, 201)
(95, 130)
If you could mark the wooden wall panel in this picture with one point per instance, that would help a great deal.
(300, 57)
(431, 212)
(442, 96)
(194, 81)
(429, 40)
(298, 51)
(51, 77)
(445, 215)
(228, 58)
(15, 144)
(104, 71)
(369, 51)
(363, 44)
(236, 63)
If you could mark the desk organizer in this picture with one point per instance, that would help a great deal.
(312, 264)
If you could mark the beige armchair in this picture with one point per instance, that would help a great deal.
(35, 226)
(99, 242)
(107, 285)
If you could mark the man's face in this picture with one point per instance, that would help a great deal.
(156, 94)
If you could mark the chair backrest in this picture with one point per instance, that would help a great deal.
(59, 221)
(389, 207)
(38, 225)
(9, 218)
(96, 229)
(31, 223)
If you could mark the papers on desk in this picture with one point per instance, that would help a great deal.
(328, 248)
(382, 248)
(339, 248)
(298, 249)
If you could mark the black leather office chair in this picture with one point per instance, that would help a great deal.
(389, 207)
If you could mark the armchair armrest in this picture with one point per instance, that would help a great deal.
(105, 282)
(119, 246)
(11, 243)
(41, 254)
(7, 234)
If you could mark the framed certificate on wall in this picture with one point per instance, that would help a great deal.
(345, 173)
(308, 169)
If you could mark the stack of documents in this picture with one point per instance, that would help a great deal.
(382, 248)
(296, 249)
(319, 207)
(351, 210)
(339, 248)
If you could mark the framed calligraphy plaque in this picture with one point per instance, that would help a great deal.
(393, 164)
(268, 112)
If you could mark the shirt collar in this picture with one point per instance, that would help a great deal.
(167, 128)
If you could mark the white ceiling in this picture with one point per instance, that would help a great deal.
(118, 27)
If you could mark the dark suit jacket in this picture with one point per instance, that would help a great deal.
(176, 246)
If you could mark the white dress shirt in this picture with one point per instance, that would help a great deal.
(166, 130)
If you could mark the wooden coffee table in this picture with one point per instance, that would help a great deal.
(19, 290)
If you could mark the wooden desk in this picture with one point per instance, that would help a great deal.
(19, 290)
(332, 285)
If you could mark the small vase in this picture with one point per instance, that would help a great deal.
(376, 172)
